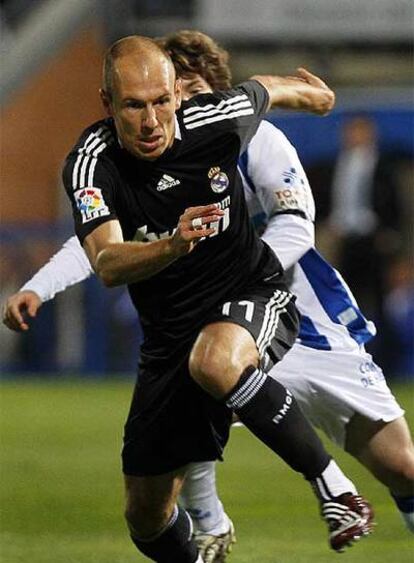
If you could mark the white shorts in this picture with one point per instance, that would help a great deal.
(332, 386)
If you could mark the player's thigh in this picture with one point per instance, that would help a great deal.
(258, 326)
(150, 500)
(316, 381)
(386, 448)
(172, 422)
(334, 386)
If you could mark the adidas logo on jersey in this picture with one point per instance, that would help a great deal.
(167, 182)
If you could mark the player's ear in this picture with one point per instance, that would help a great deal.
(106, 100)
(178, 93)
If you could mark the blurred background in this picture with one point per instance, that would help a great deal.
(50, 74)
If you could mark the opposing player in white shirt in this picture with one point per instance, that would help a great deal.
(339, 387)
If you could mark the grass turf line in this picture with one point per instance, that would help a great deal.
(61, 486)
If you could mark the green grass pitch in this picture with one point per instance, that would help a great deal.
(62, 498)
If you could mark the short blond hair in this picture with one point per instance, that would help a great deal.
(133, 44)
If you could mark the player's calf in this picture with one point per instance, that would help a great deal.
(270, 411)
(386, 449)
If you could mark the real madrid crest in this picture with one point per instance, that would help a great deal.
(219, 180)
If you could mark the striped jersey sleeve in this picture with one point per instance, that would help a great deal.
(88, 180)
(238, 110)
(272, 170)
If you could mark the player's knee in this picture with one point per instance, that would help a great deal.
(144, 519)
(406, 464)
(204, 371)
(215, 372)
(203, 366)
(400, 470)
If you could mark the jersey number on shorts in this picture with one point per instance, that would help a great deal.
(248, 314)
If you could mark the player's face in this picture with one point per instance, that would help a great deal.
(359, 132)
(145, 98)
(194, 84)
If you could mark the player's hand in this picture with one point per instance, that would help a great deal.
(193, 225)
(304, 92)
(18, 308)
(321, 98)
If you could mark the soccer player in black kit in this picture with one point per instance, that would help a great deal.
(158, 205)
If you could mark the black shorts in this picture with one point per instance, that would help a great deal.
(172, 421)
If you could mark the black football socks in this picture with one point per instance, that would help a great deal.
(270, 411)
(173, 543)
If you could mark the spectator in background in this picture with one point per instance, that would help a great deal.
(399, 317)
(362, 210)
(10, 280)
(18, 259)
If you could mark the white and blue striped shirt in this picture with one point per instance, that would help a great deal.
(279, 199)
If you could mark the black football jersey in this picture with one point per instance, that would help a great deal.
(105, 182)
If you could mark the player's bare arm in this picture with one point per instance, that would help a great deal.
(117, 262)
(304, 92)
(18, 308)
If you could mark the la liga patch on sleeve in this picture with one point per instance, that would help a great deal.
(91, 204)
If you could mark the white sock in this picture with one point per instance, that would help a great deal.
(200, 499)
(333, 483)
